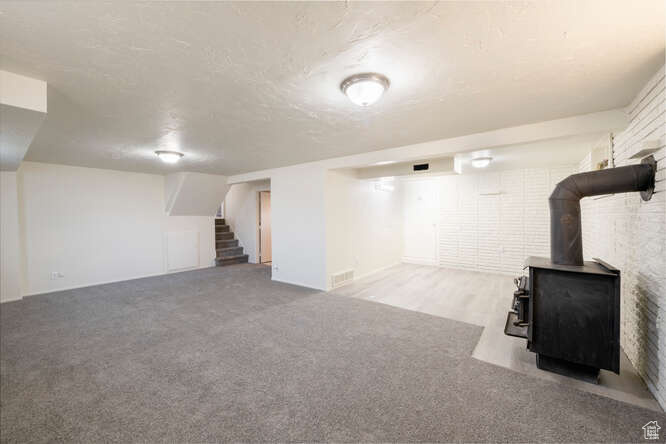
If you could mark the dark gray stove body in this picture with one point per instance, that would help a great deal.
(571, 317)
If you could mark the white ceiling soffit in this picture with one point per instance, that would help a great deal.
(245, 86)
(18, 127)
(22, 112)
(554, 152)
(543, 153)
(194, 194)
(442, 165)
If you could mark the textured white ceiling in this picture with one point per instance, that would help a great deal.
(245, 86)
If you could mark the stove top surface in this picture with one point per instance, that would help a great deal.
(589, 267)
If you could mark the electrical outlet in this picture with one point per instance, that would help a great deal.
(54, 275)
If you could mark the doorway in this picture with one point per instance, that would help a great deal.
(265, 249)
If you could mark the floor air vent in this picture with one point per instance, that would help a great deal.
(342, 278)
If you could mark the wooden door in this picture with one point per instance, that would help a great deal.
(265, 227)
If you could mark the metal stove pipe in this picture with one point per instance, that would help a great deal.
(566, 243)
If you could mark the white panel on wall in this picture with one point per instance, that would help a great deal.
(489, 202)
(468, 195)
(489, 243)
(449, 221)
(182, 250)
(493, 221)
(512, 218)
(537, 212)
(421, 208)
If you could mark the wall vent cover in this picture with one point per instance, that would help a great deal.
(342, 278)
(421, 166)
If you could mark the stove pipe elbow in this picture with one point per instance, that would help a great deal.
(566, 242)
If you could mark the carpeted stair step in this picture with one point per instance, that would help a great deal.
(220, 222)
(222, 228)
(229, 252)
(225, 243)
(224, 236)
(240, 259)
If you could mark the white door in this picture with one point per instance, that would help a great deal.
(265, 227)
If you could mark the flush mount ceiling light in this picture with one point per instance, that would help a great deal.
(481, 162)
(365, 89)
(169, 156)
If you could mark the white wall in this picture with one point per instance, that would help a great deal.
(10, 253)
(298, 226)
(363, 225)
(241, 209)
(487, 221)
(420, 216)
(96, 226)
(631, 235)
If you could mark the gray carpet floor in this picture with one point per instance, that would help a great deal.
(225, 354)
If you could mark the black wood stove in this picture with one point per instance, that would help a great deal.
(568, 309)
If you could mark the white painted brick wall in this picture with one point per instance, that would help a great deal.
(631, 235)
(493, 221)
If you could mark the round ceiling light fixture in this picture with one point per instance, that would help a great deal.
(481, 162)
(169, 156)
(365, 89)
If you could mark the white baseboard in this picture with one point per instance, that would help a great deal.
(421, 261)
(364, 275)
(11, 300)
(93, 284)
(478, 270)
(376, 270)
(418, 261)
(299, 284)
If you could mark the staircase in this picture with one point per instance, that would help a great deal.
(227, 248)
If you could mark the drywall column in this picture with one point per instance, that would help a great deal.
(10, 251)
(298, 225)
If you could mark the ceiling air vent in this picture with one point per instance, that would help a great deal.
(421, 167)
